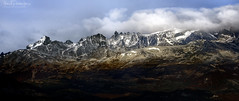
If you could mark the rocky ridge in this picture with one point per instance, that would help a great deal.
(122, 42)
(167, 65)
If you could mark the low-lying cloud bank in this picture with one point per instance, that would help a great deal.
(151, 20)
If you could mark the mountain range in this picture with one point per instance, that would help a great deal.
(185, 64)
(123, 42)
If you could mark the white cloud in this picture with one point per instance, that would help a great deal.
(117, 14)
(151, 20)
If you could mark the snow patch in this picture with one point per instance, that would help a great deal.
(186, 34)
(31, 46)
(37, 44)
(133, 52)
(127, 41)
(43, 39)
(122, 54)
(168, 41)
(121, 37)
(173, 30)
(153, 48)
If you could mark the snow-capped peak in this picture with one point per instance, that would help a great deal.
(185, 35)
(43, 41)
(124, 42)
(173, 30)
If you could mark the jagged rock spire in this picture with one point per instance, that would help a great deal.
(68, 42)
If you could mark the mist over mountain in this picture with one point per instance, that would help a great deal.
(121, 19)
(151, 20)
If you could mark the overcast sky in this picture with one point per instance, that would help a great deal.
(24, 21)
